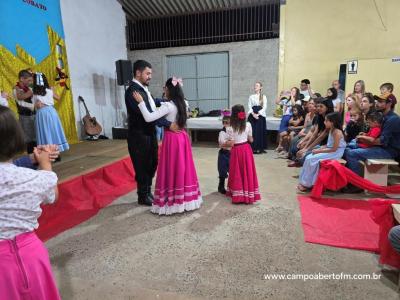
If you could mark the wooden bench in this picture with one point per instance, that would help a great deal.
(396, 212)
(377, 170)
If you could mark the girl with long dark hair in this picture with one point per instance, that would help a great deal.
(177, 187)
(318, 133)
(242, 180)
(332, 95)
(334, 149)
(47, 123)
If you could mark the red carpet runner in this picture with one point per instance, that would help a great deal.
(82, 197)
(353, 224)
(339, 223)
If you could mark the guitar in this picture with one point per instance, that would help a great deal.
(92, 127)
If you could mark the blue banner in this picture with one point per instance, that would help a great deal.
(24, 23)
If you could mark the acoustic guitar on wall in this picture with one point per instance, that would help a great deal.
(92, 127)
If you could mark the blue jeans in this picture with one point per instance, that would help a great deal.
(394, 238)
(293, 146)
(352, 144)
(352, 156)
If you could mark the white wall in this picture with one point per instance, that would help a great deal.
(95, 39)
(249, 62)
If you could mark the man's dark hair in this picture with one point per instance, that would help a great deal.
(375, 116)
(140, 65)
(306, 81)
(11, 135)
(370, 98)
(24, 74)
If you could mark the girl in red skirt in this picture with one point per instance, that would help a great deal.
(242, 181)
(25, 271)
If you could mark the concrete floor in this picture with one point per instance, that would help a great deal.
(221, 251)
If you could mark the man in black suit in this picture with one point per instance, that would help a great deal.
(142, 140)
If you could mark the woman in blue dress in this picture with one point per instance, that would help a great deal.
(48, 125)
(287, 103)
(334, 149)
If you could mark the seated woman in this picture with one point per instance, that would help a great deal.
(287, 103)
(296, 124)
(332, 94)
(352, 103)
(334, 149)
(308, 123)
(318, 135)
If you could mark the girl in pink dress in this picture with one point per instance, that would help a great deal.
(25, 270)
(242, 180)
(177, 187)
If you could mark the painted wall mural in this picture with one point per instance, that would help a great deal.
(32, 37)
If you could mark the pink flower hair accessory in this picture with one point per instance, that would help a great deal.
(176, 80)
(226, 113)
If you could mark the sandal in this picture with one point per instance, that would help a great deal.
(294, 164)
(302, 189)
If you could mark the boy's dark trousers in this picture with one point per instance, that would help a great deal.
(223, 168)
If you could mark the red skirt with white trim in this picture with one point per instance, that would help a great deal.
(242, 181)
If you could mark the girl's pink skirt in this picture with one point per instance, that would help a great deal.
(25, 271)
(177, 187)
(242, 181)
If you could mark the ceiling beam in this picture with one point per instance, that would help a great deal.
(209, 5)
(156, 7)
(177, 7)
(184, 5)
(165, 10)
(148, 9)
(131, 9)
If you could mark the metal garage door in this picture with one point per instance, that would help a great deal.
(205, 79)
